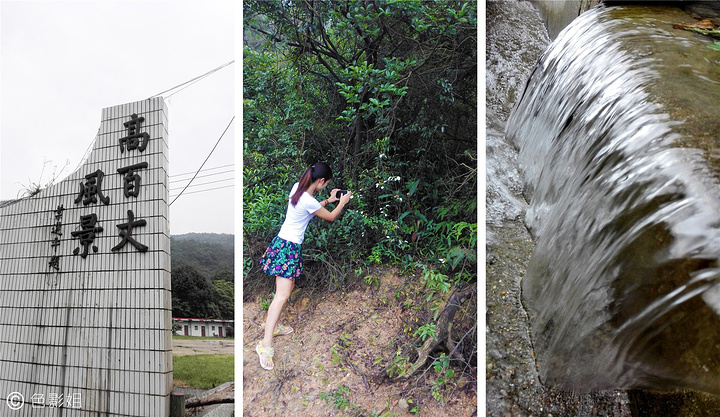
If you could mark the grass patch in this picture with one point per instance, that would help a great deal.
(203, 371)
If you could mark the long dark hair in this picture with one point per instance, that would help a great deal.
(315, 171)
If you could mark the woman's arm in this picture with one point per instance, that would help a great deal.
(332, 198)
(330, 216)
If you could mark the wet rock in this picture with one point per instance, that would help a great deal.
(705, 10)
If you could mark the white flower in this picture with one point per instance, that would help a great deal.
(442, 260)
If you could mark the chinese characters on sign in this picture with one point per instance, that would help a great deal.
(92, 189)
(126, 231)
(91, 192)
(87, 233)
(57, 231)
(132, 140)
(131, 180)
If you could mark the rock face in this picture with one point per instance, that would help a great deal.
(511, 56)
(557, 14)
(618, 136)
(705, 9)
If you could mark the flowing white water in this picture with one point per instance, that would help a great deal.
(623, 290)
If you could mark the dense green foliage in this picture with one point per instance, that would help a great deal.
(210, 253)
(203, 282)
(385, 92)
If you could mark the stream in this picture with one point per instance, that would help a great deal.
(609, 159)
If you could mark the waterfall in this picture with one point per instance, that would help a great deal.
(618, 130)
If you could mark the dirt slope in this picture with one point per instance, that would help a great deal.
(333, 363)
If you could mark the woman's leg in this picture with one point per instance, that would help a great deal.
(283, 288)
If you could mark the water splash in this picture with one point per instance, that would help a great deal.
(623, 290)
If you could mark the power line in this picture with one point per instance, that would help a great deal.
(204, 183)
(206, 169)
(209, 189)
(192, 81)
(202, 176)
(189, 83)
(206, 159)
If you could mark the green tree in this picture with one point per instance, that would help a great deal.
(386, 71)
(225, 300)
(386, 92)
(192, 294)
(224, 275)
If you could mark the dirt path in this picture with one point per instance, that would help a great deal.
(203, 346)
(334, 361)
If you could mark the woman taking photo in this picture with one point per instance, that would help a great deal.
(283, 258)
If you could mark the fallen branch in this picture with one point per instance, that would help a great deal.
(449, 344)
(223, 394)
(444, 325)
(198, 403)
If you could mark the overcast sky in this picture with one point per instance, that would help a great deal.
(62, 62)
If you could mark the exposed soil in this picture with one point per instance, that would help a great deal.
(345, 339)
(221, 346)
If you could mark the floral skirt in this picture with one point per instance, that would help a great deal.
(282, 258)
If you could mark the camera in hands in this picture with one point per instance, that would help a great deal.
(339, 193)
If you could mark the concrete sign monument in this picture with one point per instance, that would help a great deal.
(85, 304)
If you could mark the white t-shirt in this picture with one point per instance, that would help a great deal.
(298, 217)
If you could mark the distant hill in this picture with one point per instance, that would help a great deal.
(219, 238)
(209, 253)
